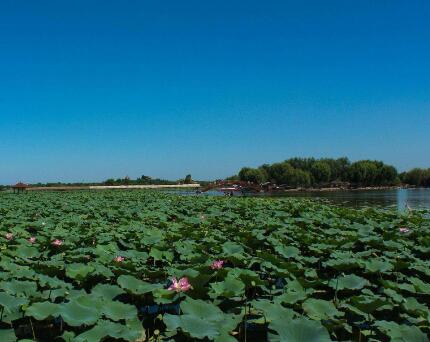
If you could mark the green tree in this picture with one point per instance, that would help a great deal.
(188, 179)
(233, 178)
(321, 172)
(279, 172)
(370, 173)
(417, 177)
(110, 181)
(338, 167)
(300, 178)
(248, 174)
(362, 173)
(304, 164)
(387, 175)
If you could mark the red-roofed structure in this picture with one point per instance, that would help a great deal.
(19, 187)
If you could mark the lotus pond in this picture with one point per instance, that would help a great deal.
(143, 266)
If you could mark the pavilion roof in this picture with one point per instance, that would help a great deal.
(20, 185)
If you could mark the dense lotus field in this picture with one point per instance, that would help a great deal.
(141, 266)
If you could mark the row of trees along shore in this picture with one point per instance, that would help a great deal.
(311, 172)
(146, 180)
(143, 180)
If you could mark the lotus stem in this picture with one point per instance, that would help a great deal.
(32, 329)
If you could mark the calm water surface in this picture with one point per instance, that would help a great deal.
(397, 198)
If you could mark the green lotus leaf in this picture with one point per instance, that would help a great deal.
(26, 252)
(102, 270)
(319, 309)
(152, 237)
(369, 304)
(11, 303)
(406, 287)
(136, 286)
(52, 282)
(229, 323)
(198, 327)
(247, 276)
(105, 329)
(378, 266)
(420, 286)
(201, 309)
(161, 255)
(355, 310)
(395, 296)
(24, 273)
(54, 294)
(78, 271)
(401, 333)
(300, 330)
(188, 272)
(172, 322)
(163, 296)
(290, 297)
(230, 248)
(230, 287)
(20, 288)
(106, 291)
(287, 251)
(412, 306)
(7, 335)
(134, 330)
(43, 310)
(68, 336)
(349, 282)
(273, 311)
(342, 261)
(76, 314)
(117, 311)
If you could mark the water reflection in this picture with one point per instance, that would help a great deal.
(397, 198)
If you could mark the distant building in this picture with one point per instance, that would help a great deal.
(19, 187)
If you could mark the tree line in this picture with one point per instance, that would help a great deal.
(311, 172)
(146, 180)
(143, 180)
(417, 177)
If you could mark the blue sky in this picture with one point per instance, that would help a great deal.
(97, 89)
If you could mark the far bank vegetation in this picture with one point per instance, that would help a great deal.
(329, 172)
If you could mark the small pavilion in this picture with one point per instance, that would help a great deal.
(19, 187)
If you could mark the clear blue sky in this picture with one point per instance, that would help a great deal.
(97, 89)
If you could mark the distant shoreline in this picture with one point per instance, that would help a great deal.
(110, 187)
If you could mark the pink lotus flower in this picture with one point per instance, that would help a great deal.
(119, 259)
(217, 264)
(57, 242)
(404, 230)
(32, 239)
(182, 285)
(9, 236)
